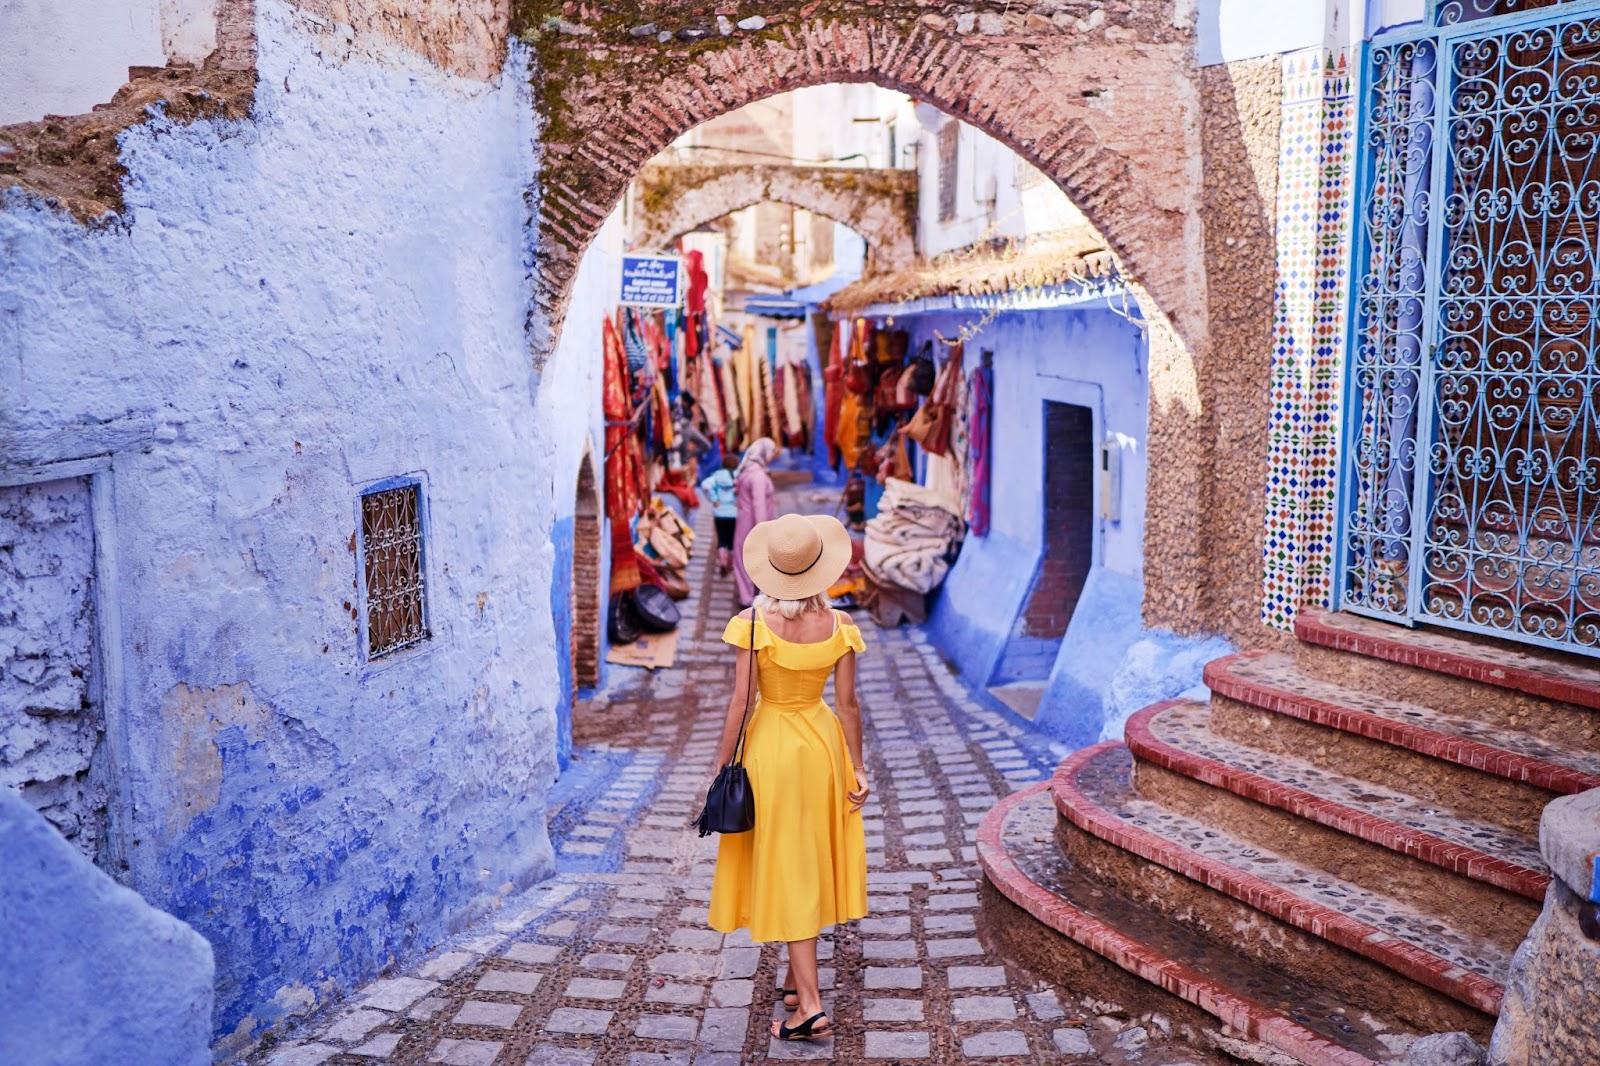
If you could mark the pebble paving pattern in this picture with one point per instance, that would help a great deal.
(1279, 671)
(1030, 841)
(1107, 781)
(1188, 726)
(611, 962)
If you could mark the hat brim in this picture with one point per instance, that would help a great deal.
(813, 580)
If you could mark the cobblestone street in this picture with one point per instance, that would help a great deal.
(611, 961)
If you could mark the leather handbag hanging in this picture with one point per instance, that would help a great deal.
(930, 426)
(920, 376)
(730, 802)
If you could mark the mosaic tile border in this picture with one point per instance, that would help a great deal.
(1314, 217)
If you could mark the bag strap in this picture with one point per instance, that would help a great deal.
(749, 694)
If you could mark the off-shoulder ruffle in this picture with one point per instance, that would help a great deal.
(852, 636)
(738, 633)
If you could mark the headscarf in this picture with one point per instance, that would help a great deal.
(760, 453)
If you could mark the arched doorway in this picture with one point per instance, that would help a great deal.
(587, 536)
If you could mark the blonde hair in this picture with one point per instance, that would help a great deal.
(792, 609)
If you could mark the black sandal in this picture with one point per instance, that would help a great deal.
(785, 993)
(803, 1031)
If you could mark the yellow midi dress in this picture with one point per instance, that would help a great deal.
(804, 865)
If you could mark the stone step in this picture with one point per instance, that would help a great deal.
(1466, 765)
(1552, 695)
(1274, 682)
(1377, 951)
(1176, 736)
(1020, 858)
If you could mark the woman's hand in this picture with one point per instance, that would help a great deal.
(858, 796)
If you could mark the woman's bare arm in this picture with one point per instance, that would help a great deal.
(849, 708)
(742, 690)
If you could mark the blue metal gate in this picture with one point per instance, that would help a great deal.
(1470, 478)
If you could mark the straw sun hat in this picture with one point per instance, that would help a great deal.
(797, 556)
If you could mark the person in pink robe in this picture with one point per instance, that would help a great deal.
(757, 503)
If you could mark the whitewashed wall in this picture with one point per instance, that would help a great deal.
(996, 196)
(62, 58)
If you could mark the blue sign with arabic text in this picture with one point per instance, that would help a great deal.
(652, 281)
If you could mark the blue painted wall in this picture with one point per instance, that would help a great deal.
(317, 816)
(561, 592)
(1088, 355)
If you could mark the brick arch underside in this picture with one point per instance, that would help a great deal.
(882, 220)
(1095, 142)
(1112, 116)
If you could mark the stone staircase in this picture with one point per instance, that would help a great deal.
(1336, 854)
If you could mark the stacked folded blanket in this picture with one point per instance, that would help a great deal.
(913, 539)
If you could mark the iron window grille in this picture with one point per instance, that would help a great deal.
(949, 161)
(392, 568)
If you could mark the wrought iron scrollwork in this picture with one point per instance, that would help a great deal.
(1386, 355)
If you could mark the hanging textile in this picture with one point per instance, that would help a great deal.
(850, 439)
(772, 423)
(794, 384)
(979, 446)
(833, 393)
(698, 281)
(744, 372)
(622, 475)
(733, 414)
(633, 342)
(624, 566)
(710, 396)
(961, 439)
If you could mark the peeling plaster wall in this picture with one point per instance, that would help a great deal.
(51, 728)
(331, 292)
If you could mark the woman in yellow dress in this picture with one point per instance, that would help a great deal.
(804, 865)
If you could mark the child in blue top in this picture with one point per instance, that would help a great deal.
(719, 491)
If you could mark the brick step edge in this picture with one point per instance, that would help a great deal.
(1459, 859)
(1254, 1020)
(1222, 675)
(1469, 663)
(1271, 899)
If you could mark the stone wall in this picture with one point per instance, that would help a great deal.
(51, 725)
(1553, 991)
(1238, 210)
(288, 307)
(879, 205)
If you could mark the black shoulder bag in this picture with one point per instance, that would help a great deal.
(730, 805)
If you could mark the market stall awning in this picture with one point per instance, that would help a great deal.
(1033, 274)
(774, 307)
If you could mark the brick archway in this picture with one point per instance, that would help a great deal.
(1119, 131)
(880, 205)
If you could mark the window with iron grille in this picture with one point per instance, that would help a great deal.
(392, 570)
(949, 159)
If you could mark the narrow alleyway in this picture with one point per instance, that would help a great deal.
(611, 962)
